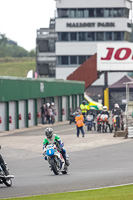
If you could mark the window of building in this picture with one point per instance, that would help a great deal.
(91, 12)
(126, 12)
(72, 13)
(82, 36)
(87, 36)
(82, 59)
(64, 36)
(73, 36)
(108, 12)
(42, 45)
(90, 36)
(117, 35)
(86, 13)
(99, 12)
(108, 36)
(64, 60)
(73, 60)
(122, 36)
(129, 25)
(80, 13)
(100, 36)
(63, 13)
(126, 36)
(51, 45)
(117, 12)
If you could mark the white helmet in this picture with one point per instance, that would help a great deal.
(49, 132)
(116, 105)
(48, 104)
(105, 108)
(52, 103)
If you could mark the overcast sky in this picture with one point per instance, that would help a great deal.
(19, 19)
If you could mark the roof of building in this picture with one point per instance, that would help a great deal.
(121, 83)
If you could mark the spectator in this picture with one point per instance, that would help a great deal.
(79, 123)
(43, 113)
(53, 113)
(48, 113)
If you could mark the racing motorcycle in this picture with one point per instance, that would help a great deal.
(90, 122)
(55, 159)
(103, 123)
(5, 179)
(118, 123)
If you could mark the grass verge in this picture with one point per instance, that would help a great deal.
(114, 193)
(17, 67)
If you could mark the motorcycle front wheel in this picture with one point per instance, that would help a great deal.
(54, 166)
(7, 182)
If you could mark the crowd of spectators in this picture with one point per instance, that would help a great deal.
(48, 113)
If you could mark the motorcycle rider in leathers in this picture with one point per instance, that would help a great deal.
(3, 165)
(52, 138)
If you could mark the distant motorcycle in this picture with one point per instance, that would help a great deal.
(72, 117)
(90, 123)
(55, 159)
(117, 123)
(103, 125)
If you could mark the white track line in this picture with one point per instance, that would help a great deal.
(103, 187)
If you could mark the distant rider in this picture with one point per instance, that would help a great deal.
(52, 138)
(92, 112)
(117, 110)
(117, 115)
(105, 112)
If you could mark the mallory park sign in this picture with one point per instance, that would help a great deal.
(98, 24)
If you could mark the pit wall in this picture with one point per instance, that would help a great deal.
(21, 100)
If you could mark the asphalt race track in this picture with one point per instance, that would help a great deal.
(97, 166)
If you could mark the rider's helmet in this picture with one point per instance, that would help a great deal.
(84, 102)
(78, 111)
(49, 132)
(52, 103)
(105, 108)
(116, 105)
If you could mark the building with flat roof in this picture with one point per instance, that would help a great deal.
(80, 25)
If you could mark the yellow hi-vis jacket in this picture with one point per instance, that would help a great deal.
(83, 108)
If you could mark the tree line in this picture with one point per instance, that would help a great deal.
(10, 48)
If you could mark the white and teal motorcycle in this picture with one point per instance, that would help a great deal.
(55, 159)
